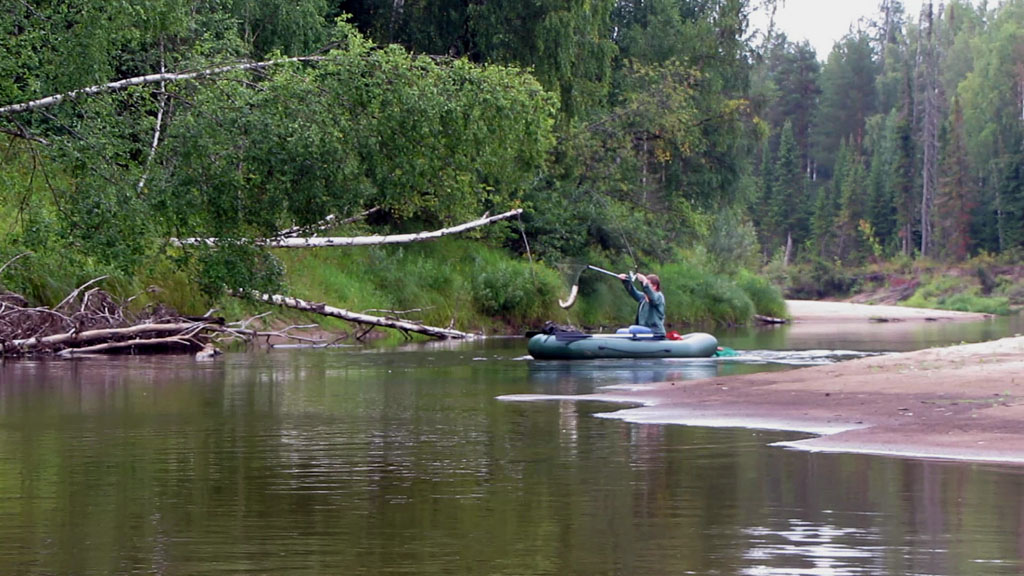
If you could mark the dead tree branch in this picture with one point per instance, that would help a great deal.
(325, 224)
(12, 260)
(361, 319)
(358, 240)
(148, 79)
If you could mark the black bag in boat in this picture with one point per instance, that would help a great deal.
(562, 333)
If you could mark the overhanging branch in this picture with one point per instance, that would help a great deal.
(357, 240)
(148, 79)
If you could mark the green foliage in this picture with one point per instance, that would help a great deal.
(281, 25)
(565, 43)
(697, 297)
(848, 96)
(732, 242)
(432, 142)
(766, 297)
(236, 265)
(793, 71)
(514, 290)
(947, 293)
(627, 130)
(449, 281)
(819, 278)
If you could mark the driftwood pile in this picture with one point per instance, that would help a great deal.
(93, 321)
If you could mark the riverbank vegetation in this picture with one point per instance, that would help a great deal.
(683, 143)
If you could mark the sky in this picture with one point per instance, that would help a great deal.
(823, 22)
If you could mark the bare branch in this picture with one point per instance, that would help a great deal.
(396, 313)
(324, 224)
(21, 132)
(364, 319)
(357, 240)
(184, 340)
(11, 261)
(102, 334)
(75, 293)
(161, 105)
(149, 79)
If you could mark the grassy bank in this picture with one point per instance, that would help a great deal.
(483, 289)
(452, 282)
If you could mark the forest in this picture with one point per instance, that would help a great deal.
(666, 135)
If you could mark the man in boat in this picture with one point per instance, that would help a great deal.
(650, 313)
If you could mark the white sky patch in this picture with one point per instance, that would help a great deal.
(824, 22)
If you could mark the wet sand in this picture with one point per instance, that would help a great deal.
(959, 402)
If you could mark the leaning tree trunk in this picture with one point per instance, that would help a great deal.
(358, 240)
(325, 310)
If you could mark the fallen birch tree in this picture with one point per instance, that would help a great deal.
(364, 319)
(376, 240)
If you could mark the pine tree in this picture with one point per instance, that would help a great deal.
(826, 209)
(956, 201)
(1011, 199)
(903, 169)
(789, 208)
(881, 207)
(852, 207)
(848, 97)
(761, 213)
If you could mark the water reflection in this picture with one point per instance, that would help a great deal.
(869, 337)
(583, 376)
(403, 462)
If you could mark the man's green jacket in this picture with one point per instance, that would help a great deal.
(651, 311)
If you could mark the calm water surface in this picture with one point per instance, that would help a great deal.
(403, 462)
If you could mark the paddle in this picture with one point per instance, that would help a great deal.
(566, 304)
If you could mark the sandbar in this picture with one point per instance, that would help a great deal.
(825, 311)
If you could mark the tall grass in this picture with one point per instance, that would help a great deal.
(694, 297)
(950, 293)
(440, 283)
(766, 297)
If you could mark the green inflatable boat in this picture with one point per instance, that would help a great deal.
(580, 346)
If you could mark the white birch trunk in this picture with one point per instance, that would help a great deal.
(357, 240)
(29, 344)
(149, 79)
(325, 310)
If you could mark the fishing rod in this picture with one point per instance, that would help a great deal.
(566, 304)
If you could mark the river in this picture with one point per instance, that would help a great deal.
(403, 461)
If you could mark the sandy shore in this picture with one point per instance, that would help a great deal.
(960, 402)
(820, 311)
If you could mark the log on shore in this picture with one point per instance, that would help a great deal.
(366, 319)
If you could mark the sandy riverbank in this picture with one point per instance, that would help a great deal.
(960, 402)
(821, 311)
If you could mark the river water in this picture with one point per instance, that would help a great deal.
(402, 461)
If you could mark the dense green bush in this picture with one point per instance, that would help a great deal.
(819, 279)
(514, 290)
(695, 296)
(767, 299)
(949, 293)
